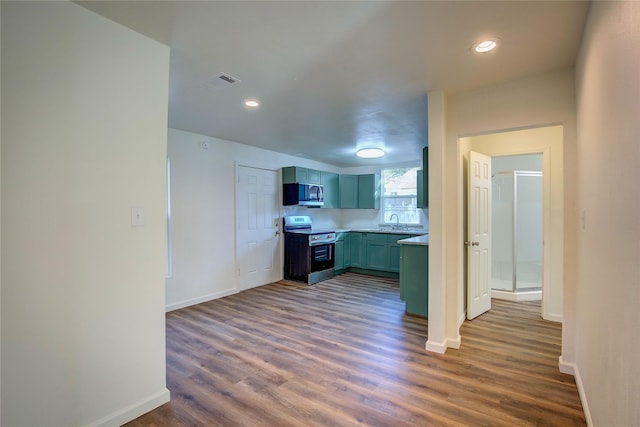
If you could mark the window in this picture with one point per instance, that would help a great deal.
(399, 196)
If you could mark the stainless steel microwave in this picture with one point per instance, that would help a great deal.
(303, 195)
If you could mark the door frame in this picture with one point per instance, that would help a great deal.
(236, 170)
(550, 243)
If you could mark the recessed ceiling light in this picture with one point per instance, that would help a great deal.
(370, 153)
(253, 103)
(485, 46)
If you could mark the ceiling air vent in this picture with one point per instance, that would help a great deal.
(222, 80)
(227, 78)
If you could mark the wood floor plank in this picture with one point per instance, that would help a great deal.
(343, 353)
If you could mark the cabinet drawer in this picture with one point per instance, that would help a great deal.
(393, 238)
(376, 237)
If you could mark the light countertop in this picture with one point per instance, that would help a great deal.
(418, 240)
(419, 231)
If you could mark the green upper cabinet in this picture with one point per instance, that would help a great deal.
(313, 177)
(349, 191)
(423, 180)
(293, 174)
(369, 191)
(360, 191)
(330, 182)
(340, 191)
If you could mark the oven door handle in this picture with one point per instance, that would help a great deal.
(321, 243)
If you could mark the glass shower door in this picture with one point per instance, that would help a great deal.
(528, 230)
(502, 232)
(516, 262)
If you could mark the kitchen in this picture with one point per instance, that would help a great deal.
(200, 178)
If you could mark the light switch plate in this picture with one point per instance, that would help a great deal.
(137, 217)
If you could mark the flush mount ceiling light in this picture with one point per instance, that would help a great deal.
(251, 103)
(370, 153)
(485, 46)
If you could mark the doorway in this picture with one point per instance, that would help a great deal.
(517, 227)
(547, 142)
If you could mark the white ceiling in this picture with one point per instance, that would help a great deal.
(333, 76)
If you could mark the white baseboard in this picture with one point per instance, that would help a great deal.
(454, 343)
(516, 296)
(553, 317)
(441, 347)
(199, 300)
(436, 347)
(572, 369)
(566, 368)
(134, 411)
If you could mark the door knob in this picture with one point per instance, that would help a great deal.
(468, 243)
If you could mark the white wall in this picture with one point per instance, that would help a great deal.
(548, 141)
(203, 212)
(84, 115)
(608, 291)
(533, 101)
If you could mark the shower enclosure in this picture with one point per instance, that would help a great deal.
(516, 231)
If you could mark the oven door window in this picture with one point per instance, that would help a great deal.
(322, 257)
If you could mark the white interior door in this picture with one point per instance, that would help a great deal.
(478, 241)
(258, 228)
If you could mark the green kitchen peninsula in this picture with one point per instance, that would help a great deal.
(414, 274)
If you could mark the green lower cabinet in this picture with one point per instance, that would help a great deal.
(383, 251)
(369, 253)
(339, 255)
(414, 278)
(357, 250)
(377, 255)
(394, 257)
(347, 250)
(342, 254)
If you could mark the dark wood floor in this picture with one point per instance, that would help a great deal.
(343, 352)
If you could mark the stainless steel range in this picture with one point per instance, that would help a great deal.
(308, 253)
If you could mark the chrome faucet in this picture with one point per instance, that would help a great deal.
(397, 219)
